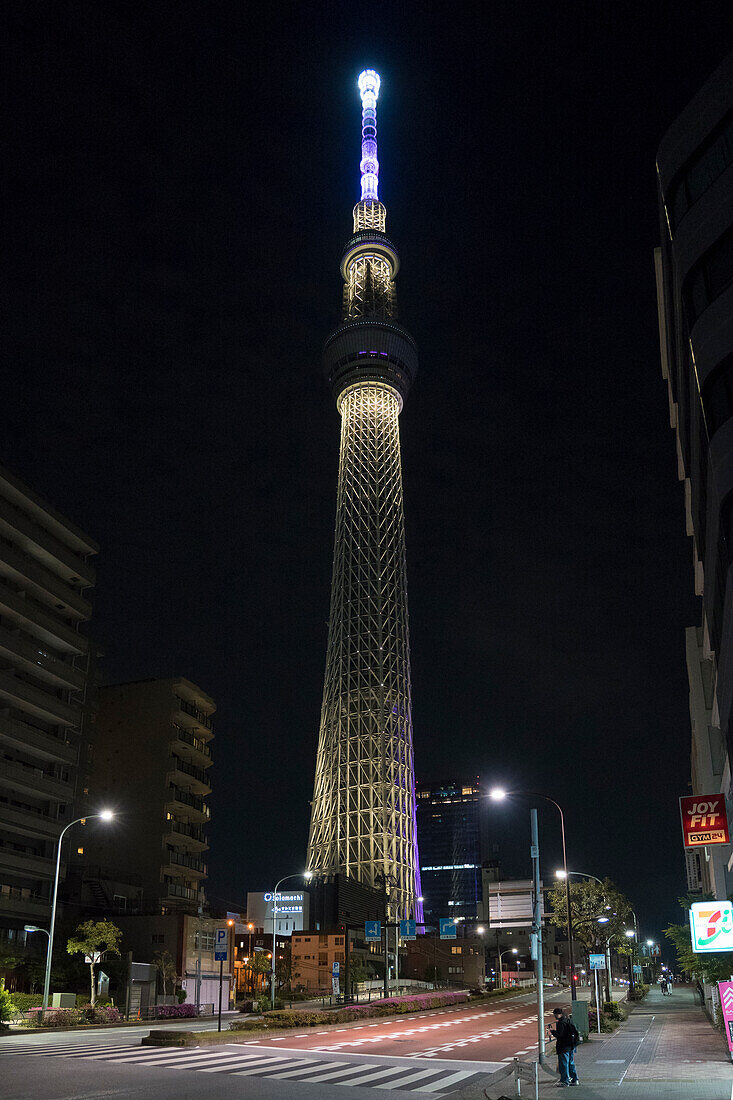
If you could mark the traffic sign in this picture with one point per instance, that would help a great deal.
(336, 968)
(372, 930)
(637, 968)
(447, 928)
(597, 962)
(220, 944)
(408, 929)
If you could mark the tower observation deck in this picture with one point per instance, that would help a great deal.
(363, 810)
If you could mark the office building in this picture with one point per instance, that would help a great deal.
(449, 819)
(694, 271)
(45, 579)
(151, 760)
(363, 809)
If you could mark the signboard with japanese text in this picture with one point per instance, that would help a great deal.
(726, 1004)
(447, 928)
(408, 929)
(597, 962)
(711, 926)
(704, 820)
(220, 944)
(372, 931)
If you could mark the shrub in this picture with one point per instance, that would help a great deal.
(245, 1025)
(612, 1009)
(7, 1008)
(175, 1012)
(245, 1006)
(25, 1001)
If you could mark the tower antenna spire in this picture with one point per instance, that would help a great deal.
(369, 88)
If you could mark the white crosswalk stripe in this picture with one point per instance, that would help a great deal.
(242, 1061)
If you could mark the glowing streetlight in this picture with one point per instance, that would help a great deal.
(307, 875)
(498, 794)
(630, 933)
(104, 815)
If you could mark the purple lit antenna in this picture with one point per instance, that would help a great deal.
(369, 88)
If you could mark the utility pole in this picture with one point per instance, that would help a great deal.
(537, 936)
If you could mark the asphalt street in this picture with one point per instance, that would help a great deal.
(436, 1054)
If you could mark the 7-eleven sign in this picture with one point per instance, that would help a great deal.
(726, 1003)
(711, 926)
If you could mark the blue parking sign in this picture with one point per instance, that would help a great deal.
(372, 930)
(447, 928)
(407, 929)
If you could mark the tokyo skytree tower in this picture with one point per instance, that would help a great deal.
(363, 810)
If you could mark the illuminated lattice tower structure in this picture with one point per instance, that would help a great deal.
(363, 813)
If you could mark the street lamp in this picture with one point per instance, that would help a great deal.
(307, 875)
(498, 794)
(104, 815)
(506, 951)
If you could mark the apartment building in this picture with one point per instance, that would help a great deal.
(45, 578)
(151, 760)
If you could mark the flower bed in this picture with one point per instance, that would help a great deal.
(389, 1006)
(175, 1012)
(72, 1017)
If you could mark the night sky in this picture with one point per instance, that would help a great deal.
(181, 179)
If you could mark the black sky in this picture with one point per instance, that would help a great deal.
(181, 177)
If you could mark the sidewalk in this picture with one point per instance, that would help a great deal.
(667, 1048)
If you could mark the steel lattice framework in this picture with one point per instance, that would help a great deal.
(363, 815)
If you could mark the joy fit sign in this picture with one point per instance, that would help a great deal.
(711, 926)
(704, 820)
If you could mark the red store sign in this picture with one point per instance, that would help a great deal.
(704, 820)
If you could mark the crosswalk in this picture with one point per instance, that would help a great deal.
(434, 1080)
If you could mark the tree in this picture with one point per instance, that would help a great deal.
(166, 967)
(260, 964)
(600, 914)
(94, 939)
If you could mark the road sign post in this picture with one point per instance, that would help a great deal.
(220, 956)
(447, 928)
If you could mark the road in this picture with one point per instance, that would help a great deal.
(436, 1054)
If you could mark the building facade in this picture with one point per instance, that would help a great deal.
(45, 578)
(459, 962)
(293, 911)
(449, 827)
(694, 272)
(363, 810)
(151, 760)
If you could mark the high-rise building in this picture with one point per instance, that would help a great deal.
(151, 755)
(363, 816)
(45, 575)
(449, 827)
(694, 269)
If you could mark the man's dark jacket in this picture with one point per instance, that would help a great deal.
(566, 1035)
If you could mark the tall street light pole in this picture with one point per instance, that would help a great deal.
(565, 874)
(105, 815)
(498, 794)
(307, 875)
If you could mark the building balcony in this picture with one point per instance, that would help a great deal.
(192, 747)
(43, 624)
(21, 904)
(24, 779)
(181, 801)
(174, 862)
(22, 863)
(173, 890)
(35, 701)
(19, 735)
(192, 717)
(29, 822)
(43, 546)
(46, 587)
(190, 837)
(180, 771)
(24, 654)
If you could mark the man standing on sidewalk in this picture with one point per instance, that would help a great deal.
(566, 1038)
